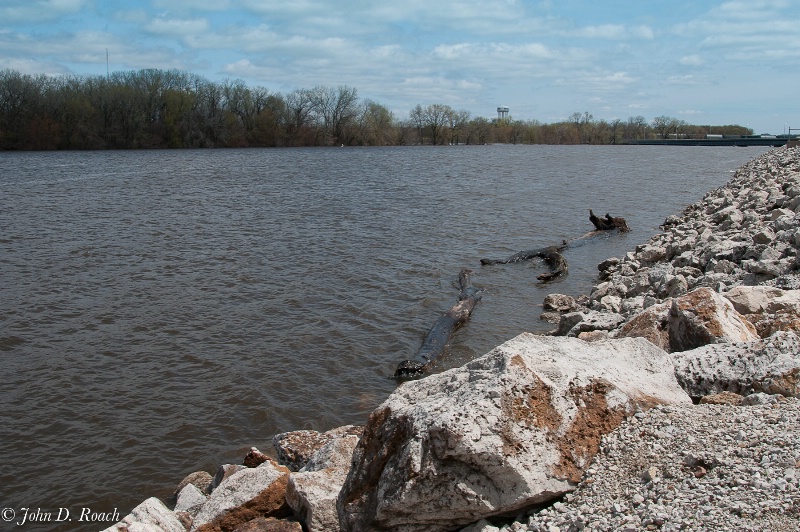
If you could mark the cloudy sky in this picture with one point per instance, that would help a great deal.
(705, 62)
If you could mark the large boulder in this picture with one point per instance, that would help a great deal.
(243, 496)
(759, 299)
(513, 428)
(150, 515)
(190, 500)
(574, 323)
(698, 318)
(295, 448)
(771, 365)
(312, 492)
(768, 308)
(652, 324)
(703, 317)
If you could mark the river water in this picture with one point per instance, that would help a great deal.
(162, 311)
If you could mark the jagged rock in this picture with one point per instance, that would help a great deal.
(768, 308)
(769, 324)
(269, 524)
(243, 496)
(760, 398)
(295, 448)
(770, 365)
(639, 284)
(703, 317)
(255, 458)
(550, 317)
(559, 302)
(651, 324)
(764, 236)
(650, 253)
(149, 515)
(674, 286)
(593, 336)
(590, 320)
(190, 499)
(609, 264)
(611, 303)
(200, 479)
(723, 250)
(568, 321)
(510, 429)
(722, 398)
(223, 472)
(758, 299)
(312, 492)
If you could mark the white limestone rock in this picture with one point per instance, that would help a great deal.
(149, 515)
(190, 500)
(262, 488)
(702, 317)
(312, 492)
(763, 300)
(771, 365)
(513, 428)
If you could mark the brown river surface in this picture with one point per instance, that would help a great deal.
(163, 311)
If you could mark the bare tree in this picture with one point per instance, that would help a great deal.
(432, 119)
(336, 109)
(376, 125)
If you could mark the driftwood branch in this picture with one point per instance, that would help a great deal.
(550, 254)
(608, 222)
(558, 266)
(438, 337)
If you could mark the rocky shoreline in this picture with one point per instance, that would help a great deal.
(665, 400)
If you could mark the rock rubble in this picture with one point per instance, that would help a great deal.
(591, 428)
(704, 467)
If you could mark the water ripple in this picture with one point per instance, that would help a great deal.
(161, 311)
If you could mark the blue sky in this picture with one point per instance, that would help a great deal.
(705, 62)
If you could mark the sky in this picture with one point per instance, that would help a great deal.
(706, 62)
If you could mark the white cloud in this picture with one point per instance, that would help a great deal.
(643, 32)
(606, 31)
(746, 31)
(38, 10)
(186, 5)
(692, 60)
(177, 27)
(683, 79)
(497, 58)
(594, 81)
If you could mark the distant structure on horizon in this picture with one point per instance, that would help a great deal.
(502, 112)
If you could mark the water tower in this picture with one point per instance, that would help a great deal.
(502, 112)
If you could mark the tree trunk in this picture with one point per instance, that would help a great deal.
(608, 223)
(550, 254)
(438, 337)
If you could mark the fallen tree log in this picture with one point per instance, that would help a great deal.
(558, 266)
(550, 254)
(608, 223)
(438, 337)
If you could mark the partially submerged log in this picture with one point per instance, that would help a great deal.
(439, 336)
(525, 255)
(550, 254)
(608, 223)
(558, 266)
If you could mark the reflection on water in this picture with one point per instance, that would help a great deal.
(160, 311)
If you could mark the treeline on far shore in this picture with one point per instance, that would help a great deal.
(174, 109)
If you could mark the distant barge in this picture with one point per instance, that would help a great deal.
(722, 140)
